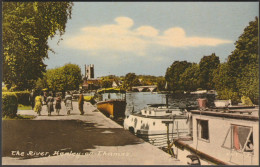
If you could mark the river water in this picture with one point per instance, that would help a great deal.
(138, 100)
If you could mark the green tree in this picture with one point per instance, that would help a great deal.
(72, 76)
(27, 26)
(223, 84)
(189, 78)
(130, 80)
(160, 82)
(64, 78)
(207, 66)
(173, 74)
(41, 83)
(243, 63)
(106, 83)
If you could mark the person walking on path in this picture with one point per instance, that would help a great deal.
(44, 97)
(68, 102)
(49, 103)
(58, 104)
(38, 105)
(32, 98)
(81, 103)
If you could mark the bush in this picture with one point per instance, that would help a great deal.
(228, 94)
(9, 104)
(23, 97)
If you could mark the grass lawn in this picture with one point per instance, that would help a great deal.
(19, 117)
(22, 107)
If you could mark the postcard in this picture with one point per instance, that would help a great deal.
(130, 83)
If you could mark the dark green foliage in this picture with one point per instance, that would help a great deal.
(41, 83)
(240, 75)
(173, 74)
(27, 26)
(23, 97)
(189, 79)
(106, 83)
(9, 104)
(229, 94)
(207, 66)
(130, 80)
(161, 83)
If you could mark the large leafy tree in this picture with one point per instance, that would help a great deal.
(173, 73)
(189, 78)
(130, 80)
(223, 83)
(243, 63)
(207, 66)
(27, 26)
(64, 78)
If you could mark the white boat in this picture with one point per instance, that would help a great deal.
(227, 136)
(149, 124)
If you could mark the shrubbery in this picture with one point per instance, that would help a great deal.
(9, 104)
(228, 94)
(23, 97)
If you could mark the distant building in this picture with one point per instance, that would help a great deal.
(116, 83)
(89, 71)
(91, 84)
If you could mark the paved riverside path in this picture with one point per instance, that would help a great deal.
(89, 139)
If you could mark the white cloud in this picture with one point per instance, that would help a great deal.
(120, 36)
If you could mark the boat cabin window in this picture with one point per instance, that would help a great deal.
(239, 138)
(203, 129)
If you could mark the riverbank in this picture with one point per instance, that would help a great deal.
(89, 139)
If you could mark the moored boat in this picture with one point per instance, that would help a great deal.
(222, 136)
(114, 108)
(149, 124)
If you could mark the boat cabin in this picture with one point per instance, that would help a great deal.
(160, 110)
(227, 137)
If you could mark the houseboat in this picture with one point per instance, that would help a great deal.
(112, 107)
(221, 136)
(148, 124)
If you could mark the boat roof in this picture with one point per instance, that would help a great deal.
(161, 105)
(111, 90)
(167, 117)
(251, 113)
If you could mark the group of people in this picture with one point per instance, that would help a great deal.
(37, 102)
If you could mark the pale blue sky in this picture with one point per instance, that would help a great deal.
(147, 37)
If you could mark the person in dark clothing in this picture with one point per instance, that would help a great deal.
(45, 97)
(32, 98)
(81, 103)
(49, 103)
(58, 104)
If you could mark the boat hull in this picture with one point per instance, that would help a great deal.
(153, 129)
(115, 108)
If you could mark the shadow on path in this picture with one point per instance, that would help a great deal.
(49, 136)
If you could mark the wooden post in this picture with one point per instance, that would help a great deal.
(168, 142)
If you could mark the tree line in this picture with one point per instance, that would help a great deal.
(131, 79)
(237, 77)
(27, 26)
